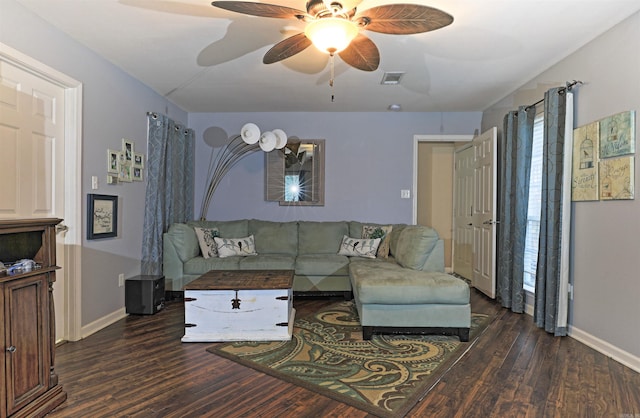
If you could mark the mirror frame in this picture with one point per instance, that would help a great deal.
(274, 176)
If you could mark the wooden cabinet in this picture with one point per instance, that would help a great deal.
(29, 385)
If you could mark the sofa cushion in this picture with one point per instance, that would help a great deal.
(322, 265)
(390, 284)
(228, 229)
(379, 231)
(415, 243)
(206, 236)
(320, 237)
(200, 265)
(359, 247)
(275, 237)
(228, 247)
(394, 237)
(184, 240)
(268, 262)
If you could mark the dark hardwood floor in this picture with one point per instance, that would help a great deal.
(138, 367)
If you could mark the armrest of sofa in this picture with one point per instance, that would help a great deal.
(172, 266)
(435, 259)
(420, 248)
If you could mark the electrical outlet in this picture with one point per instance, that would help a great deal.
(120, 279)
(405, 194)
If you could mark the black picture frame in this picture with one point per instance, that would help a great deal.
(102, 216)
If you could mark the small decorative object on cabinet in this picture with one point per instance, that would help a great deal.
(29, 385)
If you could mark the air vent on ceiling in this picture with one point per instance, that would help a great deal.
(391, 78)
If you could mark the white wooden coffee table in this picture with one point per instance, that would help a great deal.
(239, 305)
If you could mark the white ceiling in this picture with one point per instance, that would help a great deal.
(205, 59)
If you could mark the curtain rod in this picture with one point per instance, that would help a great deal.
(569, 86)
(178, 126)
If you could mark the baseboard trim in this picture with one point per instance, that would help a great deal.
(103, 322)
(606, 348)
(596, 343)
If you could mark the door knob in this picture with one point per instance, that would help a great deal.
(11, 349)
(61, 228)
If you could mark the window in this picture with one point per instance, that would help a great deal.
(533, 216)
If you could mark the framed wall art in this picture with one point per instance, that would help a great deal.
(136, 173)
(113, 159)
(102, 216)
(138, 160)
(124, 172)
(616, 178)
(584, 181)
(127, 149)
(617, 135)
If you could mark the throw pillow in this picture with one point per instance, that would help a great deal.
(359, 247)
(228, 247)
(206, 239)
(377, 231)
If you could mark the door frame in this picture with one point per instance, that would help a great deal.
(428, 138)
(72, 179)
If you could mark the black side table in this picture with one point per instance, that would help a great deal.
(144, 294)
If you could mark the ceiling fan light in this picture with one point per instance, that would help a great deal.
(331, 34)
(250, 133)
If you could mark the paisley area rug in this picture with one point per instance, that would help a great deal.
(385, 376)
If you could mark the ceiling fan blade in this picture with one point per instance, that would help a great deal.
(285, 49)
(260, 9)
(362, 54)
(403, 19)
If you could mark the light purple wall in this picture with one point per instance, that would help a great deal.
(114, 107)
(369, 159)
(605, 255)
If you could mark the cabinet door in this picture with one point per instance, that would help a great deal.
(26, 340)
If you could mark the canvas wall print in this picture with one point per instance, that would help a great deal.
(617, 135)
(616, 178)
(584, 181)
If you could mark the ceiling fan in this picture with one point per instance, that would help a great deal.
(335, 27)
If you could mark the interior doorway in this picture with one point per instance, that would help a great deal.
(471, 222)
(433, 186)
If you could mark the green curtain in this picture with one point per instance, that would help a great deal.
(170, 185)
(515, 168)
(552, 273)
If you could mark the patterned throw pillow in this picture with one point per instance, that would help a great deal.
(206, 240)
(359, 247)
(376, 231)
(228, 247)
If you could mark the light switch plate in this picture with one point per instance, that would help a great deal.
(94, 182)
(405, 194)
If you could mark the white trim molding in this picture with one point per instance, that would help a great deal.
(103, 322)
(606, 348)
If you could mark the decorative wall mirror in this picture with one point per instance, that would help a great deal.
(294, 176)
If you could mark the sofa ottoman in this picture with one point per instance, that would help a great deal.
(392, 299)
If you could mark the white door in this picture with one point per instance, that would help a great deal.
(462, 212)
(484, 207)
(32, 140)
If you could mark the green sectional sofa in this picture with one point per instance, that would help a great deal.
(405, 289)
